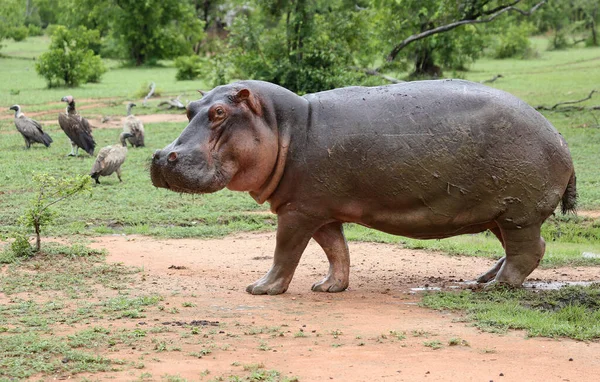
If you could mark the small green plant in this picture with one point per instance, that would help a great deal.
(50, 190)
(263, 346)
(300, 334)
(398, 335)
(435, 344)
(457, 341)
(188, 304)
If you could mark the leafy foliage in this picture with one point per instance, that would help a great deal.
(50, 190)
(188, 67)
(70, 61)
(10, 18)
(305, 46)
(514, 42)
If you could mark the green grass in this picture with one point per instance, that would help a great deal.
(568, 312)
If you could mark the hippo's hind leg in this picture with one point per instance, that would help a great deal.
(489, 275)
(294, 231)
(524, 250)
(331, 238)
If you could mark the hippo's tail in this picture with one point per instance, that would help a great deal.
(569, 198)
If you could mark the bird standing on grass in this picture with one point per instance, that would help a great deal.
(134, 126)
(31, 130)
(110, 159)
(77, 128)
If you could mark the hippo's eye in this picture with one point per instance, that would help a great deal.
(219, 111)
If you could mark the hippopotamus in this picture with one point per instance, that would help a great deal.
(423, 159)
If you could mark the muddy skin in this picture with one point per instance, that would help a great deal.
(426, 159)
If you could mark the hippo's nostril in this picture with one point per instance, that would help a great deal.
(172, 157)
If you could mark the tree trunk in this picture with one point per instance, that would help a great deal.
(38, 241)
(593, 27)
(424, 65)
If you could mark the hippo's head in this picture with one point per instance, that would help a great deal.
(227, 143)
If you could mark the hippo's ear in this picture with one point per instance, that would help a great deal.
(250, 99)
(202, 92)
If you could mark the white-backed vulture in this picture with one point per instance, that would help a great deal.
(77, 128)
(31, 130)
(110, 159)
(135, 127)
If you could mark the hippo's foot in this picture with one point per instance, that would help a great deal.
(268, 285)
(330, 284)
(491, 274)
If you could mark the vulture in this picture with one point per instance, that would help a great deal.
(135, 127)
(77, 128)
(31, 130)
(110, 159)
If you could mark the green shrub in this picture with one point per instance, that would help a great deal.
(514, 42)
(20, 247)
(559, 41)
(35, 30)
(19, 33)
(70, 61)
(188, 67)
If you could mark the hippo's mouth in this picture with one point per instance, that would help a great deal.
(204, 183)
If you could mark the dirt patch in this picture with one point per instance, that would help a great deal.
(589, 214)
(116, 122)
(349, 336)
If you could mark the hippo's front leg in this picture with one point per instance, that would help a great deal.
(331, 238)
(294, 231)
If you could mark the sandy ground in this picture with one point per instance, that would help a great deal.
(346, 336)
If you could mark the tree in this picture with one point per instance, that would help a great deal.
(154, 29)
(50, 190)
(69, 60)
(439, 31)
(304, 45)
(10, 17)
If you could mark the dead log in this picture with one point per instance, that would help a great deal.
(173, 103)
(492, 79)
(150, 93)
(559, 107)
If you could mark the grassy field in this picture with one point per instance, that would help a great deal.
(136, 207)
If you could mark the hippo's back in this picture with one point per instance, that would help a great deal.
(446, 148)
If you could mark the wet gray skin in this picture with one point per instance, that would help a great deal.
(426, 159)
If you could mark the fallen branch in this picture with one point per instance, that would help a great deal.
(174, 103)
(571, 108)
(456, 24)
(492, 79)
(374, 72)
(152, 89)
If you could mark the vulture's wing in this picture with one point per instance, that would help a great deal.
(78, 130)
(32, 130)
(137, 129)
(100, 162)
(45, 137)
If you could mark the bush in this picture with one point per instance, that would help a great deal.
(20, 247)
(70, 61)
(188, 67)
(35, 30)
(514, 42)
(19, 33)
(559, 41)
